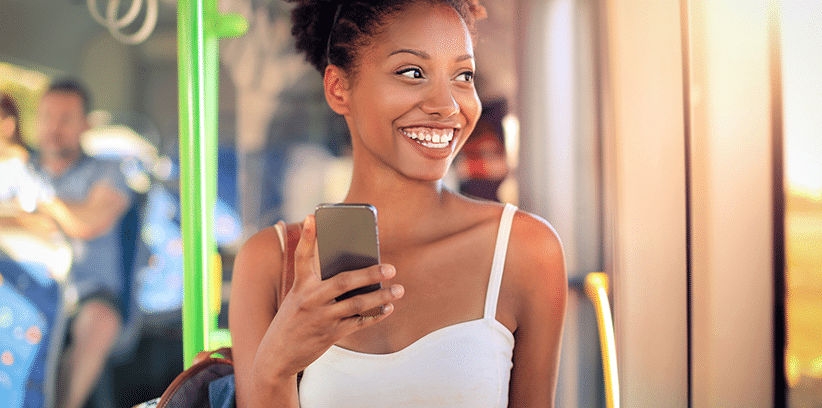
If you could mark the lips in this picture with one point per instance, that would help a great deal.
(435, 138)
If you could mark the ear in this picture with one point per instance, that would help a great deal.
(337, 93)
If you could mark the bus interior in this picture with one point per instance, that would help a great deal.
(670, 143)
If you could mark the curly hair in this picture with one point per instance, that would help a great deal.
(354, 23)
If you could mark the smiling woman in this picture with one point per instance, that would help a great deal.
(464, 280)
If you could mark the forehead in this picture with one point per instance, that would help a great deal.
(436, 29)
(62, 101)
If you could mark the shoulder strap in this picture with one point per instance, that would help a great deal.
(498, 263)
(292, 237)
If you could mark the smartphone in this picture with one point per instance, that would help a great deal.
(347, 239)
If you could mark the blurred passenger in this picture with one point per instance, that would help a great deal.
(91, 198)
(11, 142)
(18, 187)
(481, 165)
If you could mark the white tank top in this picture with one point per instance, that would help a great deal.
(467, 364)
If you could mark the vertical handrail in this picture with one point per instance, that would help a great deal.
(199, 28)
(596, 288)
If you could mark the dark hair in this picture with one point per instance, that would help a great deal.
(8, 109)
(357, 22)
(72, 86)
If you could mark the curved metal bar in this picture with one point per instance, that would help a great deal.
(596, 288)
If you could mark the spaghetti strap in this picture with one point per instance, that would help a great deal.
(280, 228)
(498, 264)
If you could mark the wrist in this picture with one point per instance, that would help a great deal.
(266, 388)
(273, 377)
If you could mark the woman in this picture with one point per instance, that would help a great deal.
(11, 143)
(19, 188)
(456, 330)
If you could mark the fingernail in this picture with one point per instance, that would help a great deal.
(387, 308)
(397, 290)
(387, 271)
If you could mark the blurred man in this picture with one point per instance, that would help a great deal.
(91, 197)
(481, 164)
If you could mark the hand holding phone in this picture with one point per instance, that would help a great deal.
(347, 240)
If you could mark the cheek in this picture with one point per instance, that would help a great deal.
(472, 109)
(383, 106)
(396, 102)
(6, 127)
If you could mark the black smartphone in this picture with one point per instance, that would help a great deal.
(347, 239)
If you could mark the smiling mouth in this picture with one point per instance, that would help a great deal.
(430, 137)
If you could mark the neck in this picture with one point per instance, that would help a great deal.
(57, 165)
(403, 205)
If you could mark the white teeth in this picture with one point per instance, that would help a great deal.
(430, 137)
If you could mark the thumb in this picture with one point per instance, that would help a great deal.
(306, 259)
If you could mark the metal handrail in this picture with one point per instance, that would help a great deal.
(596, 288)
(200, 26)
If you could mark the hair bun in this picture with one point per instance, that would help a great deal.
(313, 20)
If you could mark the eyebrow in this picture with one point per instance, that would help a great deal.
(425, 55)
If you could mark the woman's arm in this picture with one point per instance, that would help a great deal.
(536, 268)
(254, 285)
(271, 345)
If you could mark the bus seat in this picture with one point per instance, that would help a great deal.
(32, 328)
(135, 255)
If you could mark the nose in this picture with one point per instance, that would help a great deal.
(440, 101)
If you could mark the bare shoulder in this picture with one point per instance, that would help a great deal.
(535, 264)
(263, 245)
(257, 267)
(473, 212)
(533, 239)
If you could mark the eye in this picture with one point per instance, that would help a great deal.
(466, 76)
(413, 73)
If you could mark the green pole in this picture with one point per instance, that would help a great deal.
(199, 28)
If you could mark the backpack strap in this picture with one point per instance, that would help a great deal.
(292, 238)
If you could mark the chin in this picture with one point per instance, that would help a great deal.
(427, 175)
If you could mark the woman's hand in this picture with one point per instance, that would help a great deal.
(309, 320)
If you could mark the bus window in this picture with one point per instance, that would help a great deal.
(801, 63)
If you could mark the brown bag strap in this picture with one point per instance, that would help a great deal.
(184, 386)
(292, 238)
(206, 354)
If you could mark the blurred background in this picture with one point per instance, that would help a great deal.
(673, 144)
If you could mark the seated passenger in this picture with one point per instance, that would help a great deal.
(91, 196)
(19, 189)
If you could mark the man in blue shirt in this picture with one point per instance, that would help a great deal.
(91, 197)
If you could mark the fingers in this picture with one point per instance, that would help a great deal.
(348, 281)
(356, 305)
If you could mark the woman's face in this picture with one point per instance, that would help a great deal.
(6, 128)
(413, 103)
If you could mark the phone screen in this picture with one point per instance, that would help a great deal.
(347, 239)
